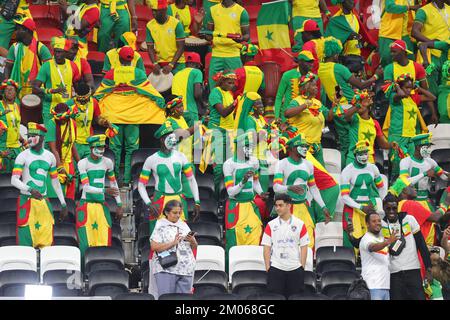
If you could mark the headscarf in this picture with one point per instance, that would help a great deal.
(224, 75)
(306, 78)
(6, 83)
(359, 96)
(388, 86)
(69, 113)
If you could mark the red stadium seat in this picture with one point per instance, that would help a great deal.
(45, 35)
(96, 55)
(143, 13)
(46, 16)
(147, 62)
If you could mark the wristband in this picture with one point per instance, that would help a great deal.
(119, 204)
(63, 205)
(148, 204)
(425, 174)
(197, 202)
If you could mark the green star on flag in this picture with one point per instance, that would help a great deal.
(411, 113)
(37, 225)
(248, 229)
(269, 35)
(368, 135)
(95, 226)
(66, 143)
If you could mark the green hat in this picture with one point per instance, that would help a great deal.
(421, 139)
(332, 47)
(98, 140)
(399, 185)
(296, 141)
(165, 128)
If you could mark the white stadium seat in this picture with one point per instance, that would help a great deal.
(440, 136)
(210, 258)
(60, 258)
(330, 234)
(18, 258)
(246, 258)
(332, 158)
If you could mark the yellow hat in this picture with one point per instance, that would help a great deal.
(361, 146)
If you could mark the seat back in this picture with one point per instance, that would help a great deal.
(65, 283)
(103, 258)
(310, 282)
(64, 234)
(332, 159)
(245, 258)
(8, 205)
(210, 258)
(18, 258)
(9, 193)
(143, 235)
(440, 137)
(207, 230)
(12, 282)
(207, 282)
(176, 296)
(337, 282)
(108, 283)
(268, 296)
(330, 234)
(7, 234)
(60, 258)
(247, 282)
(134, 296)
(335, 258)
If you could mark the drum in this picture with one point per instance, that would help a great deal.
(31, 109)
(162, 83)
(194, 44)
(272, 76)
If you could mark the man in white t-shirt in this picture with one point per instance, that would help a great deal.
(406, 280)
(375, 258)
(285, 240)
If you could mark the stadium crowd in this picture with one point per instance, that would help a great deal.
(339, 118)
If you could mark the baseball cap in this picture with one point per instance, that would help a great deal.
(126, 53)
(193, 57)
(400, 45)
(309, 25)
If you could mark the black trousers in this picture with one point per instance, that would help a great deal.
(285, 283)
(407, 285)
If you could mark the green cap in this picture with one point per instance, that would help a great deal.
(165, 128)
(296, 141)
(399, 185)
(98, 140)
(421, 139)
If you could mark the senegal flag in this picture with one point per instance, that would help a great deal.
(272, 25)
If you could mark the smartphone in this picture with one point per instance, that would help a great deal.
(191, 233)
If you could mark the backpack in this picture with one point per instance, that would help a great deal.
(358, 290)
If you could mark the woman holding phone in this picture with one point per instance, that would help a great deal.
(173, 246)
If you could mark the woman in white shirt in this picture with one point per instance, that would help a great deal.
(172, 234)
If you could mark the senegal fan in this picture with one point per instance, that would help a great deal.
(58, 76)
(402, 65)
(167, 167)
(395, 24)
(421, 168)
(362, 189)
(84, 20)
(112, 59)
(288, 87)
(32, 169)
(11, 141)
(226, 18)
(252, 120)
(116, 18)
(432, 23)
(165, 40)
(294, 175)
(174, 114)
(61, 136)
(250, 78)
(444, 94)
(187, 15)
(3, 151)
(88, 112)
(344, 25)
(400, 124)
(308, 10)
(221, 108)
(308, 114)
(334, 75)
(363, 126)
(93, 217)
(74, 54)
(26, 56)
(188, 83)
(7, 27)
(313, 41)
(126, 100)
(242, 219)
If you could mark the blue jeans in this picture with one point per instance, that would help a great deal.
(379, 294)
